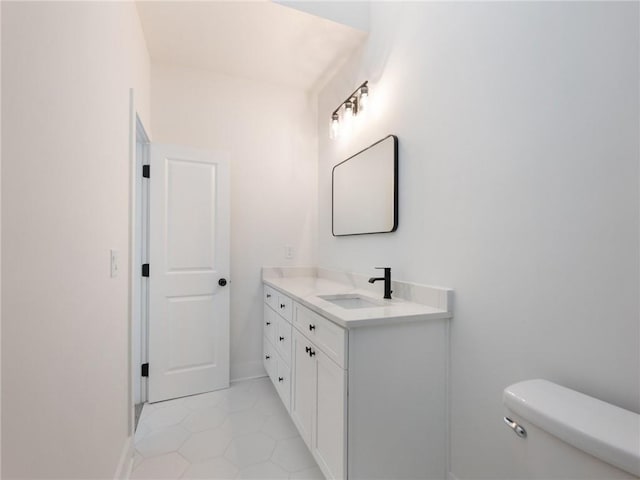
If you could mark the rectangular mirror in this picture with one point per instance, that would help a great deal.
(365, 190)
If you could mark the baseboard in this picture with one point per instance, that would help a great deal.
(236, 380)
(247, 370)
(451, 476)
(125, 465)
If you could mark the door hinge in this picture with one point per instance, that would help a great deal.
(146, 171)
(145, 269)
(144, 370)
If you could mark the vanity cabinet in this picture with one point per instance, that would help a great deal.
(304, 355)
(368, 401)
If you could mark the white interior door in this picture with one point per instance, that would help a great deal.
(188, 267)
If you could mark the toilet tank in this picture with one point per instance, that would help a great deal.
(568, 435)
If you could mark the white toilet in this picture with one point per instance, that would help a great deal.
(563, 434)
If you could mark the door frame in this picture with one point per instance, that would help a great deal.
(140, 285)
(139, 141)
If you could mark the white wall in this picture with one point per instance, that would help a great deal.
(67, 69)
(518, 130)
(270, 132)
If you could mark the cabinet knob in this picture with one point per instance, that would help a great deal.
(282, 305)
(222, 282)
(268, 323)
(280, 379)
(312, 327)
(312, 352)
(281, 339)
(267, 357)
(268, 295)
(307, 349)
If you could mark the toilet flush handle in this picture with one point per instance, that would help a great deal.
(521, 432)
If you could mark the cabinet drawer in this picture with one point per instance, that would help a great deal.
(325, 334)
(282, 340)
(282, 382)
(270, 297)
(269, 358)
(285, 307)
(270, 324)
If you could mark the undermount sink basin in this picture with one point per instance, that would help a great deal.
(351, 301)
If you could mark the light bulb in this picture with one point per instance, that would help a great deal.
(348, 115)
(334, 131)
(364, 98)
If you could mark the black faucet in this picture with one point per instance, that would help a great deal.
(387, 281)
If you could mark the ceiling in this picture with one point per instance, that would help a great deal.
(257, 40)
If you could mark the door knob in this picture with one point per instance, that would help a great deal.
(222, 282)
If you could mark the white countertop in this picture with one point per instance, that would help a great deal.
(306, 290)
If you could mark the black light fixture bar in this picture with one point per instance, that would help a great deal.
(354, 95)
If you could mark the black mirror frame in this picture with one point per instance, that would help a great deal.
(395, 189)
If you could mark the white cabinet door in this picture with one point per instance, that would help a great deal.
(303, 401)
(329, 438)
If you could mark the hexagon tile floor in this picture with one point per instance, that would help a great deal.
(243, 432)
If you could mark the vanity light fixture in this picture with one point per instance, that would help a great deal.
(347, 110)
